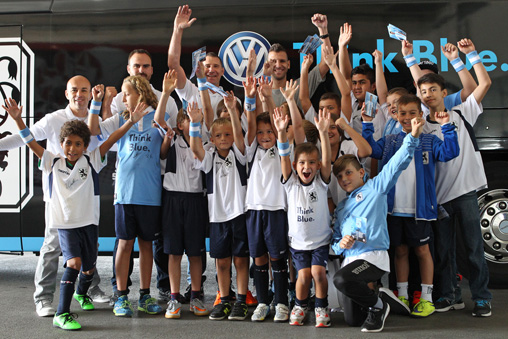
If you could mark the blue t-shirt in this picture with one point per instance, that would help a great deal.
(452, 100)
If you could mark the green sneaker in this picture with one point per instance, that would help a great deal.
(85, 301)
(66, 322)
(423, 309)
(122, 307)
(405, 302)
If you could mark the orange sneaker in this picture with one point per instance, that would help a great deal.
(217, 299)
(251, 300)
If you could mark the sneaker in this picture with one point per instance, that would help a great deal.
(322, 317)
(251, 300)
(239, 311)
(164, 295)
(423, 309)
(198, 307)
(98, 295)
(376, 318)
(174, 309)
(281, 313)
(444, 305)
(44, 309)
(112, 300)
(123, 307)
(85, 301)
(66, 322)
(398, 305)
(149, 305)
(220, 311)
(482, 308)
(298, 315)
(261, 312)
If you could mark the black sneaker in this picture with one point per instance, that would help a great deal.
(239, 312)
(482, 308)
(112, 300)
(397, 306)
(376, 317)
(444, 305)
(220, 311)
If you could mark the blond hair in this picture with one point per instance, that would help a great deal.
(143, 88)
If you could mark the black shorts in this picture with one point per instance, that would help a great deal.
(229, 238)
(81, 243)
(133, 221)
(307, 258)
(184, 222)
(407, 230)
(267, 232)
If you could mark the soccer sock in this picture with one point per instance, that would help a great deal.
(225, 299)
(402, 289)
(174, 296)
(302, 303)
(66, 290)
(427, 292)
(195, 294)
(241, 298)
(321, 302)
(280, 281)
(261, 281)
(143, 292)
(84, 283)
(123, 293)
(379, 303)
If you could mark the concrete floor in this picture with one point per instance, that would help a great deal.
(19, 320)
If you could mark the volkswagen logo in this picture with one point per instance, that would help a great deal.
(234, 54)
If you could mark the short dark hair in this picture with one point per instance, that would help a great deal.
(398, 90)
(407, 99)
(432, 78)
(311, 131)
(305, 148)
(75, 127)
(340, 164)
(276, 47)
(263, 117)
(427, 64)
(139, 51)
(366, 70)
(331, 95)
(214, 55)
(221, 106)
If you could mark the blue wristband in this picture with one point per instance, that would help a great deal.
(410, 60)
(26, 135)
(284, 149)
(95, 107)
(195, 129)
(457, 64)
(250, 104)
(202, 84)
(473, 58)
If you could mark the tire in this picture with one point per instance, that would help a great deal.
(493, 205)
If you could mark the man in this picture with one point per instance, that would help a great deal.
(78, 93)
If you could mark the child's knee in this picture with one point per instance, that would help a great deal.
(319, 275)
(74, 263)
(401, 251)
(422, 251)
(223, 264)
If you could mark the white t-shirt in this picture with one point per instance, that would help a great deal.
(308, 215)
(465, 173)
(405, 191)
(264, 189)
(380, 259)
(225, 184)
(74, 192)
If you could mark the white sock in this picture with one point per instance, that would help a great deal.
(402, 289)
(427, 292)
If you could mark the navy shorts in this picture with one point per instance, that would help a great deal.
(307, 258)
(267, 232)
(184, 222)
(81, 243)
(133, 221)
(229, 238)
(407, 230)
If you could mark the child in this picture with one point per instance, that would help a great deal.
(308, 217)
(74, 203)
(137, 188)
(412, 202)
(457, 182)
(224, 167)
(392, 125)
(360, 232)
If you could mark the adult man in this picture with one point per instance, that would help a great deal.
(78, 93)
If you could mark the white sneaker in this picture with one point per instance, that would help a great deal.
(174, 309)
(98, 295)
(198, 307)
(261, 312)
(44, 309)
(281, 313)
(322, 317)
(298, 315)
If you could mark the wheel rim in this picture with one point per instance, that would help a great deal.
(494, 225)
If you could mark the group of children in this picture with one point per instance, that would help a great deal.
(271, 193)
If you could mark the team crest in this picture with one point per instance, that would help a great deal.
(313, 196)
(83, 173)
(227, 162)
(425, 157)
(271, 152)
(359, 197)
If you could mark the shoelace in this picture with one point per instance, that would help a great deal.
(70, 317)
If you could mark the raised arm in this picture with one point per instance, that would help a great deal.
(345, 101)
(196, 144)
(250, 107)
(296, 117)
(303, 94)
(467, 47)
(416, 72)
(208, 113)
(364, 149)
(11, 107)
(323, 125)
(168, 86)
(321, 22)
(230, 102)
(281, 123)
(451, 52)
(381, 87)
(346, 34)
(109, 95)
(93, 117)
(182, 22)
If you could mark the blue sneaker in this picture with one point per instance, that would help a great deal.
(482, 308)
(122, 307)
(149, 305)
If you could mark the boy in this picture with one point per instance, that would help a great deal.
(457, 182)
(74, 201)
(360, 232)
(224, 168)
(308, 217)
(412, 202)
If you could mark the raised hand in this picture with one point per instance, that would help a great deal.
(139, 112)
(346, 34)
(365, 117)
(200, 70)
(417, 126)
(290, 91)
(230, 101)
(307, 62)
(329, 57)
(251, 63)
(267, 68)
(194, 112)
(182, 18)
(280, 120)
(442, 117)
(169, 82)
(11, 107)
(323, 124)
(466, 46)
(341, 122)
(407, 47)
(250, 87)
(450, 51)
(320, 21)
(109, 94)
(378, 56)
(98, 92)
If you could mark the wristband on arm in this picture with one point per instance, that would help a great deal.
(250, 104)
(202, 84)
(457, 64)
(195, 129)
(473, 57)
(95, 107)
(283, 147)
(26, 135)
(410, 60)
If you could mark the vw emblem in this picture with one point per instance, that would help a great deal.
(234, 54)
